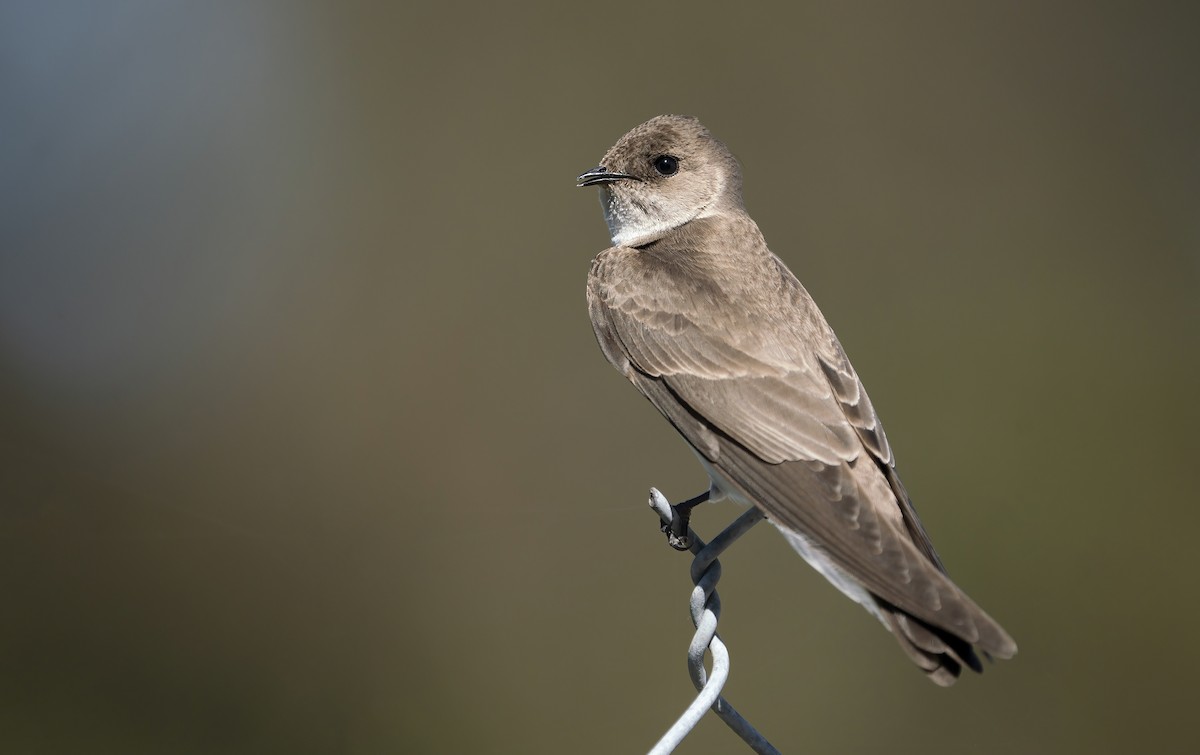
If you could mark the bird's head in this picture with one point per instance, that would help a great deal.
(663, 174)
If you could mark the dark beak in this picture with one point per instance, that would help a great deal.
(602, 175)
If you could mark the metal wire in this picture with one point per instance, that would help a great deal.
(705, 606)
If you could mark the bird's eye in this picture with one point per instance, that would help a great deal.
(666, 165)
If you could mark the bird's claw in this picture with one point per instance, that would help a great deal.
(677, 540)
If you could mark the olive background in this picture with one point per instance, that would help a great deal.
(306, 445)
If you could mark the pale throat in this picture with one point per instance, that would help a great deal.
(631, 225)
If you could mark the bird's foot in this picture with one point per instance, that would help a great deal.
(676, 528)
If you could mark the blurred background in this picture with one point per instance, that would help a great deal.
(306, 445)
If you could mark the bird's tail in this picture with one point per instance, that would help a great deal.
(938, 653)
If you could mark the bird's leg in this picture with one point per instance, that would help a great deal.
(677, 530)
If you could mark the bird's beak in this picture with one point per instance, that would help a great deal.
(602, 175)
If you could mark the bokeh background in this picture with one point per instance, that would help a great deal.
(306, 445)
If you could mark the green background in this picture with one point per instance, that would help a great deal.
(306, 445)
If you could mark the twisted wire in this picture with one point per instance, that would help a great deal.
(705, 606)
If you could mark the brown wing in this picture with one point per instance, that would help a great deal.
(758, 379)
(772, 402)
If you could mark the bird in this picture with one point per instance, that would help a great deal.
(691, 306)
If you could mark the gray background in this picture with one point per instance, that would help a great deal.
(306, 445)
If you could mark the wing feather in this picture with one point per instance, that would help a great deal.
(774, 404)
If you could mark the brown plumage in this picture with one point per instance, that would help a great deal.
(693, 308)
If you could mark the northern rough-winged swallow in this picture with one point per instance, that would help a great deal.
(692, 308)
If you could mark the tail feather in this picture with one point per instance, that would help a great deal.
(938, 653)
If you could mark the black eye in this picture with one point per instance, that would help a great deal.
(666, 165)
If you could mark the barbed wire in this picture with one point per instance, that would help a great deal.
(705, 605)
